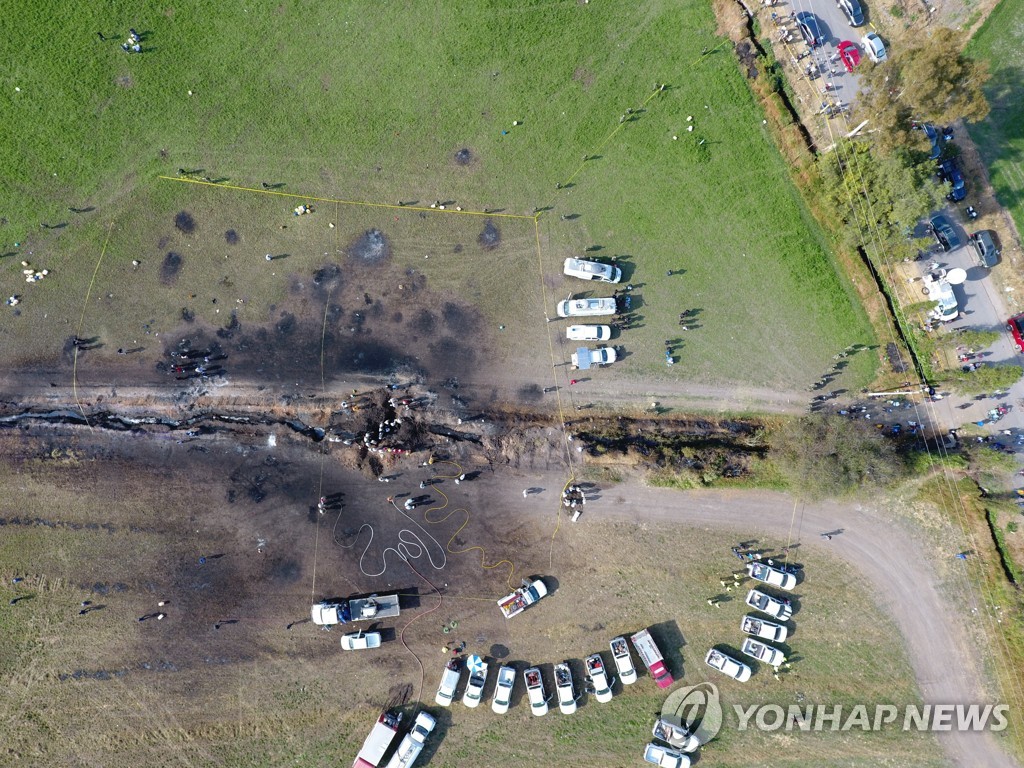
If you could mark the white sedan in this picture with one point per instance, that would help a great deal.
(357, 641)
(588, 332)
(727, 665)
(665, 757)
(875, 47)
(763, 652)
(592, 270)
(771, 574)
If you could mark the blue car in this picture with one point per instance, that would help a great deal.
(949, 171)
(933, 136)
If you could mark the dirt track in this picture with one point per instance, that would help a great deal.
(891, 562)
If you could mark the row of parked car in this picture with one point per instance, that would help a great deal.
(759, 629)
(598, 680)
(585, 357)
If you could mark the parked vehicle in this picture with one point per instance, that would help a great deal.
(503, 690)
(773, 606)
(766, 630)
(1016, 327)
(949, 171)
(383, 733)
(664, 757)
(849, 54)
(755, 649)
(535, 691)
(985, 247)
(771, 574)
(592, 270)
(938, 288)
(945, 233)
(810, 29)
(449, 682)
(330, 612)
(586, 307)
(522, 598)
(412, 744)
(477, 679)
(357, 641)
(935, 138)
(584, 357)
(588, 332)
(598, 677)
(727, 665)
(675, 735)
(564, 689)
(853, 11)
(649, 654)
(622, 658)
(875, 49)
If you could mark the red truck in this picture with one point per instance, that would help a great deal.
(384, 732)
(649, 654)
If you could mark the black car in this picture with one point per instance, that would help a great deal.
(853, 11)
(985, 248)
(810, 29)
(945, 233)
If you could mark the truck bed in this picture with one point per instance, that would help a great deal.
(387, 607)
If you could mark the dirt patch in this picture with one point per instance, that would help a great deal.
(371, 247)
(171, 267)
(464, 156)
(490, 237)
(184, 222)
(583, 76)
(124, 81)
(231, 237)
(424, 322)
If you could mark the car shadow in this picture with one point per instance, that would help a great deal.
(670, 641)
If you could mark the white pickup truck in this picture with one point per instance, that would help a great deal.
(564, 689)
(412, 744)
(623, 660)
(503, 690)
(522, 598)
(598, 677)
(773, 606)
(763, 652)
(766, 630)
(584, 357)
(535, 691)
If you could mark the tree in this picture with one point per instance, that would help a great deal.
(826, 455)
(929, 82)
(877, 198)
(987, 378)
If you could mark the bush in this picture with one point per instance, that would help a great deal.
(825, 455)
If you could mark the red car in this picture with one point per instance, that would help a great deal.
(1016, 326)
(850, 54)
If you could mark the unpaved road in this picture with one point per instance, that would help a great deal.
(893, 564)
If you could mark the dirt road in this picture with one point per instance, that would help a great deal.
(887, 555)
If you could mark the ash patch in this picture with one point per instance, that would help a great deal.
(171, 267)
(451, 353)
(372, 247)
(464, 156)
(490, 237)
(184, 222)
(286, 325)
(459, 320)
(231, 237)
(424, 322)
(530, 393)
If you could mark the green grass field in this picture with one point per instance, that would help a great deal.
(372, 103)
(1000, 42)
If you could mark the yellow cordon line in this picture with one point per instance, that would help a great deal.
(447, 546)
(81, 322)
(361, 203)
(323, 452)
